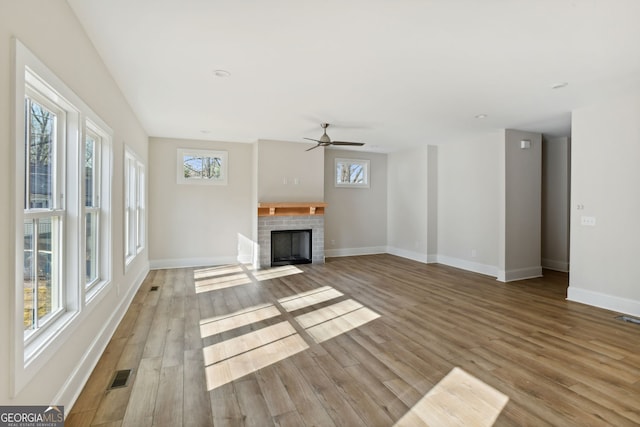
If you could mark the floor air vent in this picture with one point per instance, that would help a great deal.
(120, 379)
(154, 288)
(629, 319)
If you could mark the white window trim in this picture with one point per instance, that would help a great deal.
(134, 206)
(364, 163)
(224, 170)
(29, 358)
(97, 126)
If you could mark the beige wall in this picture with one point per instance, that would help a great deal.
(605, 148)
(356, 218)
(521, 207)
(408, 203)
(50, 30)
(198, 224)
(468, 203)
(288, 173)
(555, 203)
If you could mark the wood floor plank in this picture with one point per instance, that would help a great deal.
(144, 393)
(170, 397)
(197, 405)
(307, 403)
(368, 341)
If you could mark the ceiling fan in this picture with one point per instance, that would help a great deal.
(325, 140)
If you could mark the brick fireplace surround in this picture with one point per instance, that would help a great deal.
(291, 216)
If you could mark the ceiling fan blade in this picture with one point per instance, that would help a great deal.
(359, 144)
(314, 140)
(315, 146)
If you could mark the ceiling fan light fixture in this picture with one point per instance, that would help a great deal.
(221, 73)
(326, 141)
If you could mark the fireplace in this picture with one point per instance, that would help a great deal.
(290, 216)
(291, 247)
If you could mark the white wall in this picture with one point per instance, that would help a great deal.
(288, 173)
(555, 203)
(605, 153)
(521, 207)
(468, 203)
(356, 218)
(50, 30)
(198, 224)
(408, 204)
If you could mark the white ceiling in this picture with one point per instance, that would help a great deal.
(393, 74)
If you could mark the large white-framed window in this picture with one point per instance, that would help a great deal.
(134, 214)
(45, 212)
(96, 203)
(208, 167)
(50, 127)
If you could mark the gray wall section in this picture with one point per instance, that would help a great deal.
(555, 203)
(522, 206)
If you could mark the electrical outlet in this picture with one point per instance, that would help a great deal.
(588, 221)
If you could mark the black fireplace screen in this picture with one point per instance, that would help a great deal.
(290, 247)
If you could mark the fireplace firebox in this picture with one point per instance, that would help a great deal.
(290, 247)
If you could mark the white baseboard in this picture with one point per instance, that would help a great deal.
(158, 264)
(72, 388)
(416, 256)
(476, 267)
(519, 274)
(609, 302)
(555, 265)
(331, 253)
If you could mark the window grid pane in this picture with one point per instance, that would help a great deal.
(90, 172)
(40, 156)
(30, 281)
(92, 224)
(42, 295)
(193, 166)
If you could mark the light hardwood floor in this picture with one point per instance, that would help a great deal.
(363, 341)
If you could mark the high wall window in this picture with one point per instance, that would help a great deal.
(202, 167)
(62, 208)
(134, 215)
(352, 173)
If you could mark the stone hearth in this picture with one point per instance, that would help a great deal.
(291, 216)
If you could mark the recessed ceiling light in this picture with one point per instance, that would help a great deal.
(559, 85)
(221, 73)
(481, 116)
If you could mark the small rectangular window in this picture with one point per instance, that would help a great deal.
(202, 167)
(352, 173)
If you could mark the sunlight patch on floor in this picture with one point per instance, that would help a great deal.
(203, 273)
(253, 360)
(329, 322)
(222, 282)
(247, 316)
(228, 276)
(275, 272)
(459, 399)
(233, 358)
(306, 299)
(234, 346)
